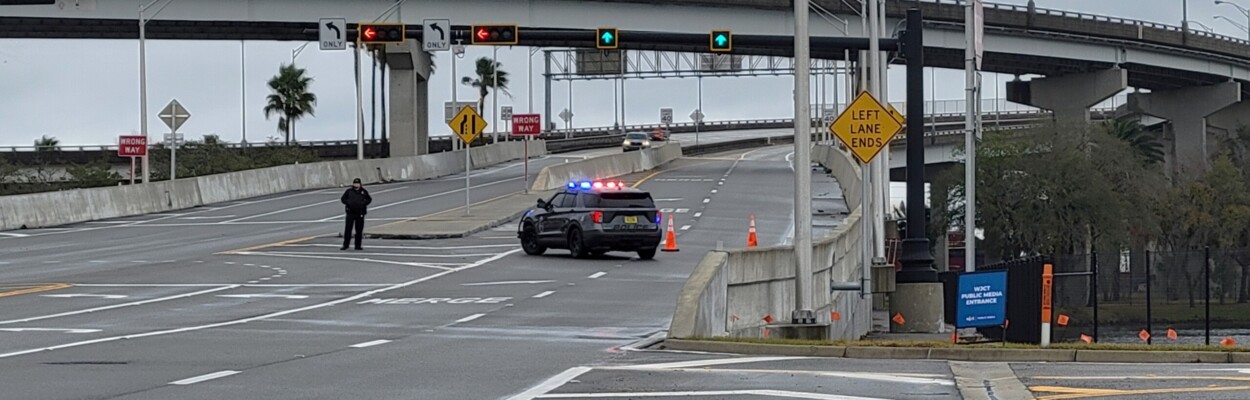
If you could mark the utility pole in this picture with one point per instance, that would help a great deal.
(803, 312)
(972, 133)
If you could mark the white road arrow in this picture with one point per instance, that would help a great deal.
(265, 296)
(73, 295)
(503, 283)
(49, 330)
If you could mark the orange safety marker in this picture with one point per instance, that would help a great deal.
(768, 319)
(766, 333)
(898, 319)
(1048, 280)
(1006, 323)
(1172, 334)
(752, 239)
(1143, 335)
(1087, 338)
(835, 316)
(670, 240)
(1228, 342)
(1063, 320)
(734, 317)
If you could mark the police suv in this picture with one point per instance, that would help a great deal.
(592, 218)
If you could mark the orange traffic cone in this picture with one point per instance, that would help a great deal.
(670, 240)
(752, 240)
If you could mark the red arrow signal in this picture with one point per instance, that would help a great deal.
(483, 34)
(370, 33)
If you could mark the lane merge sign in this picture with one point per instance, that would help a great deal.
(866, 127)
(467, 124)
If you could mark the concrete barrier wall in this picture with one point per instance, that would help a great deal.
(844, 169)
(557, 176)
(731, 292)
(73, 206)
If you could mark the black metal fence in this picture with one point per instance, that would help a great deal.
(1191, 297)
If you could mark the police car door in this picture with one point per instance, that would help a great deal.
(549, 222)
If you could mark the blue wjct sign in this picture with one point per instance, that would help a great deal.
(982, 299)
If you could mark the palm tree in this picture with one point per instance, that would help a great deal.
(1145, 143)
(46, 144)
(486, 80)
(290, 99)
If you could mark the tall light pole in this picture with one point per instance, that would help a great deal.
(296, 51)
(143, 76)
(494, 102)
(803, 312)
(243, 88)
(1235, 23)
(1243, 10)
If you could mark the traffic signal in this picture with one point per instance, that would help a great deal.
(606, 38)
(494, 34)
(380, 33)
(721, 41)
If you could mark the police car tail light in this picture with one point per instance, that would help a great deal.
(659, 216)
(598, 185)
(611, 185)
(596, 217)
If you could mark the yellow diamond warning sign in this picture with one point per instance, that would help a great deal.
(866, 127)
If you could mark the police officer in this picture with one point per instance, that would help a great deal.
(356, 201)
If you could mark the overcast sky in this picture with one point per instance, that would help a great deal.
(85, 92)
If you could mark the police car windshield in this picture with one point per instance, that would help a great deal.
(618, 200)
(637, 136)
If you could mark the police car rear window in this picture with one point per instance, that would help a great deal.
(618, 200)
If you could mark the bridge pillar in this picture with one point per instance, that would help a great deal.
(1231, 118)
(1069, 97)
(1187, 109)
(410, 70)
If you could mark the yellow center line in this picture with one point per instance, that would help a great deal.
(1081, 393)
(266, 246)
(43, 287)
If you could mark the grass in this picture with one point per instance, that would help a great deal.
(937, 344)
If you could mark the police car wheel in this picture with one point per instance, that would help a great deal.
(577, 247)
(529, 241)
(646, 254)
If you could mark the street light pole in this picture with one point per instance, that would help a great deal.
(143, 77)
(1243, 10)
(803, 312)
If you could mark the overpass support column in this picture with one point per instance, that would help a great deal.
(409, 90)
(1187, 109)
(1069, 96)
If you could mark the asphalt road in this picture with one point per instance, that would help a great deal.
(253, 299)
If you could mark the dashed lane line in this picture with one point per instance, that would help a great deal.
(261, 317)
(597, 275)
(369, 344)
(544, 294)
(469, 318)
(202, 378)
(115, 306)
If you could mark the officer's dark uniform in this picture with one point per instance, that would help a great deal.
(356, 202)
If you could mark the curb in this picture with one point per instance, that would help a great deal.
(447, 235)
(961, 354)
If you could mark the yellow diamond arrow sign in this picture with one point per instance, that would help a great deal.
(866, 127)
(467, 124)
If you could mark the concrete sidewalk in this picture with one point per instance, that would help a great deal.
(454, 224)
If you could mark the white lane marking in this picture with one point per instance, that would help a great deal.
(911, 380)
(202, 378)
(597, 275)
(73, 295)
(469, 318)
(265, 278)
(213, 217)
(49, 330)
(705, 201)
(484, 246)
(281, 285)
(551, 383)
(264, 296)
(383, 254)
(265, 316)
(685, 227)
(714, 191)
(52, 262)
(301, 207)
(136, 303)
(665, 200)
(370, 344)
(544, 294)
(705, 363)
(503, 283)
(707, 393)
(422, 265)
(698, 214)
(16, 235)
(250, 265)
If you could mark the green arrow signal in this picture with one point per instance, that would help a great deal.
(721, 40)
(607, 37)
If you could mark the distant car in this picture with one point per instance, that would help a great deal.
(592, 218)
(636, 141)
(659, 134)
